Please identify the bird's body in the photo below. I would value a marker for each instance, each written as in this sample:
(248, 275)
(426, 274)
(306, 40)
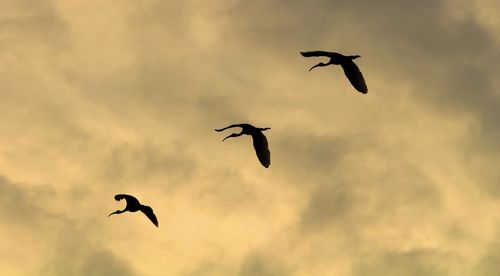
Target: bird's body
(133, 205)
(351, 70)
(259, 141)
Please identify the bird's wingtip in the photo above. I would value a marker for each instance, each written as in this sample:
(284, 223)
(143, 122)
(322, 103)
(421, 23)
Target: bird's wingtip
(363, 90)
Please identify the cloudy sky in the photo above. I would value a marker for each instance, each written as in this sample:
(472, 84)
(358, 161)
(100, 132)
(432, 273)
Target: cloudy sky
(106, 97)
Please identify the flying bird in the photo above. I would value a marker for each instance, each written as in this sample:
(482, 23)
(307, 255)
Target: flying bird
(350, 69)
(133, 205)
(259, 141)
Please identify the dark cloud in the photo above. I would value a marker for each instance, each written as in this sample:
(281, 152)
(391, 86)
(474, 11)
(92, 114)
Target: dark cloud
(333, 204)
(256, 264)
(71, 251)
(86, 261)
(149, 20)
(488, 264)
(149, 163)
(411, 263)
(31, 22)
(453, 63)
(74, 247)
(21, 205)
(229, 191)
(105, 263)
(311, 156)
(205, 268)
(450, 63)
(220, 109)
(463, 80)
(349, 202)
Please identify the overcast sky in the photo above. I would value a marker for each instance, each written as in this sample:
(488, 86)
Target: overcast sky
(106, 97)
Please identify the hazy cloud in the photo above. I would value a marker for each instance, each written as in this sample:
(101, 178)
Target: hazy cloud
(20, 205)
(488, 264)
(256, 264)
(106, 97)
(414, 263)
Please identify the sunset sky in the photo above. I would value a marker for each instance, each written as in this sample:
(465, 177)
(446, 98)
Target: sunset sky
(106, 97)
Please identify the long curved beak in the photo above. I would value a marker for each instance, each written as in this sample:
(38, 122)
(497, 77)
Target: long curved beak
(115, 212)
(229, 136)
(317, 65)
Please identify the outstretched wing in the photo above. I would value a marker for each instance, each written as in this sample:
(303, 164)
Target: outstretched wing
(318, 54)
(149, 213)
(130, 199)
(231, 126)
(354, 75)
(262, 148)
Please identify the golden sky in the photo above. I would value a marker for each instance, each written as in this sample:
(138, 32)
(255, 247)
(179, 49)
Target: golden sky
(107, 97)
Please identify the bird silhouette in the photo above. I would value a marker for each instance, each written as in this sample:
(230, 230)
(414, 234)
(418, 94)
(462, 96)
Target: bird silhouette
(133, 205)
(259, 141)
(350, 69)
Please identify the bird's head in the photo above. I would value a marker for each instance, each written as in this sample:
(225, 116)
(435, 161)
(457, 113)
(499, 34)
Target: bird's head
(318, 65)
(355, 56)
(264, 129)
